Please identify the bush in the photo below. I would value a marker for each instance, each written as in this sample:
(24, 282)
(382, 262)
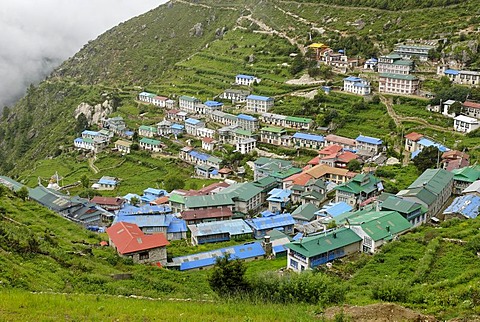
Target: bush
(390, 291)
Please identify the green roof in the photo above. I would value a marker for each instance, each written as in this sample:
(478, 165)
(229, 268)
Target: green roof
(208, 201)
(273, 129)
(320, 244)
(265, 182)
(420, 193)
(403, 62)
(10, 183)
(467, 174)
(214, 159)
(88, 140)
(176, 198)
(241, 191)
(148, 128)
(393, 56)
(277, 234)
(273, 164)
(355, 185)
(298, 119)
(189, 98)
(283, 174)
(380, 225)
(401, 205)
(243, 132)
(434, 180)
(398, 76)
(150, 141)
(305, 212)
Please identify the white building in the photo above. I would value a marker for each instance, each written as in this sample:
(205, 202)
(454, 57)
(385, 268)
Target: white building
(208, 143)
(259, 104)
(246, 80)
(465, 124)
(188, 104)
(394, 64)
(191, 126)
(244, 146)
(356, 85)
(398, 84)
(203, 132)
(235, 95)
(462, 77)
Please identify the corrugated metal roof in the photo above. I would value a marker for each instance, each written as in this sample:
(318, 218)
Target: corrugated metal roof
(266, 223)
(308, 136)
(128, 238)
(467, 206)
(259, 98)
(369, 140)
(232, 227)
(380, 225)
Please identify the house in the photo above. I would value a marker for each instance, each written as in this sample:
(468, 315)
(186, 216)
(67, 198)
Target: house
(305, 213)
(188, 104)
(394, 64)
(333, 156)
(160, 101)
(192, 125)
(332, 210)
(208, 144)
(130, 241)
(108, 203)
(321, 171)
(259, 104)
(286, 140)
(211, 106)
(223, 118)
(146, 97)
(106, 183)
(151, 145)
(308, 141)
(345, 143)
(425, 143)
(272, 135)
(466, 206)
(411, 141)
(371, 64)
(464, 177)
(123, 146)
(177, 129)
(276, 168)
(454, 159)
(176, 116)
(207, 201)
(314, 192)
(147, 131)
(465, 124)
(412, 211)
(205, 171)
(204, 132)
(356, 85)
(226, 134)
(247, 122)
(431, 189)
(309, 252)
(278, 199)
(473, 189)
(360, 188)
(410, 51)
(219, 231)
(164, 128)
(245, 146)
(151, 194)
(235, 95)
(241, 134)
(200, 261)
(471, 109)
(157, 224)
(402, 84)
(197, 216)
(377, 228)
(247, 197)
(91, 140)
(367, 145)
(260, 225)
(295, 122)
(246, 80)
(461, 77)
(317, 50)
(273, 119)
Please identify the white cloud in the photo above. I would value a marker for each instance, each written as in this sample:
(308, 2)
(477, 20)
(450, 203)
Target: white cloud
(36, 36)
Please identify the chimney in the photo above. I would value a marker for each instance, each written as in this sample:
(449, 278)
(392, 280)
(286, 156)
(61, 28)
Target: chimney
(334, 235)
(267, 246)
(387, 228)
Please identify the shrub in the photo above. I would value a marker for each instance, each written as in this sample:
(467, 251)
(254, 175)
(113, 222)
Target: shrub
(390, 291)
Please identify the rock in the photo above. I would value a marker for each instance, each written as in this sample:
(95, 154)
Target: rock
(197, 30)
(94, 113)
(251, 59)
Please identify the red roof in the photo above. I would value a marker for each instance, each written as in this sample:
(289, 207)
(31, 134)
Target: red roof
(128, 238)
(206, 213)
(346, 156)
(300, 179)
(173, 111)
(455, 154)
(160, 201)
(161, 98)
(339, 139)
(315, 160)
(414, 136)
(208, 140)
(110, 201)
(210, 188)
(225, 171)
(471, 104)
(332, 149)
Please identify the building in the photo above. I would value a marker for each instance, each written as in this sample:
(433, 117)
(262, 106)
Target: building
(259, 104)
(473, 189)
(188, 104)
(106, 183)
(286, 121)
(235, 95)
(247, 197)
(377, 228)
(394, 64)
(129, 241)
(150, 145)
(123, 146)
(308, 141)
(219, 231)
(410, 51)
(331, 210)
(411, 141)
(412, 211)
(371, 64)
(269, 167)
(208, 144)
(461, 77)
(223, 118)
(359, 189)
(309, 252)
(247, 122)
(261, 225)
(466, 206)
(402, 84)
(147, 131)
(305, 213)
(108, 203)
(211, 106)
(197, 216)
(454, 159)
(345, 143)
(465, 124)
(204, 132)
(464, 177)
(246, 80)
(431, 189)
(278, 199)
(367, 145)
(176, 116)
(245, 146)
(471, 109)
(356, 85)
(272, 135)
(192, 125)
(164, 128)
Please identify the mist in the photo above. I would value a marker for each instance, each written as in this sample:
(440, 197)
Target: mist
(37, 36)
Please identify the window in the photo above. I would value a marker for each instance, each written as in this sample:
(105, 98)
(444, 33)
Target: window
(144, 255)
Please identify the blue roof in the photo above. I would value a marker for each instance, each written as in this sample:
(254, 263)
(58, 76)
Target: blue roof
(129, 196)
(335, 209)
(177, 225)
(192, 121)
(279, 195)
(246, 117)
(308, 136)
(263, 223)
(451, 72)
(130, 210)
(259, 98)
(156, 192)
(467, 206)
(245, 76)
(353, 79)
(107, 181)
(369, 139)
(129, 133)
(199, 155)
(414, 154)
(248, 250)
(213, 104)
(267, 213)
(426, 142)
(361, 85)
(279, 249)
(87, 132)
(298, 236)
(157, 220)
(372, 60)
(177, 126)
(233, 227)
(78, 140)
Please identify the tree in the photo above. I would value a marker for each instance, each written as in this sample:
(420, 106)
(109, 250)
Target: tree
(298, 64)
(354, 165)
(22, 193)
(228, 277)
(427, 158)
(85, 181)
(81, 123)
(173, 183)
(455, 108)
(134, 201)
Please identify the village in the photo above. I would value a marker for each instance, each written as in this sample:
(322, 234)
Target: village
(310, 212)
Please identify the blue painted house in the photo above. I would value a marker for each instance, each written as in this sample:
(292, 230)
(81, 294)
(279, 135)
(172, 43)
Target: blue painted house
(261, 225)
(219, 231)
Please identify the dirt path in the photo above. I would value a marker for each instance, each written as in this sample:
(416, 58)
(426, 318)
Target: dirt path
(92, 166)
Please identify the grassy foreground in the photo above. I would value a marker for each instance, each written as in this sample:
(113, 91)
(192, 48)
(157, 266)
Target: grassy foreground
(24, 306)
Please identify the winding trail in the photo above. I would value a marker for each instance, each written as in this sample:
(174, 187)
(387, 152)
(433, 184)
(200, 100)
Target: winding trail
(92, 166)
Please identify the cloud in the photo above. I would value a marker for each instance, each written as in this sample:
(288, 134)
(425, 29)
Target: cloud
(36, 36)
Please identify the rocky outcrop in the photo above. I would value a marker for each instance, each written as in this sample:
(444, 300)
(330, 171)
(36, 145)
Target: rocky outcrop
(94, 113)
